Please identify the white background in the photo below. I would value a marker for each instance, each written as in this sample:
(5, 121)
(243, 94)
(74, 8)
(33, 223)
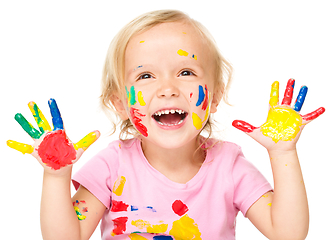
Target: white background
(58, 49)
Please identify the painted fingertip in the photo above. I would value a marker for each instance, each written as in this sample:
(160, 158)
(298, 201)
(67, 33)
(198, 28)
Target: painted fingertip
(274, 97)
(21, 147)
(313, 115)
(288, 94)
(56, 116)
(27, 127)
(300, 98)
(243, 126)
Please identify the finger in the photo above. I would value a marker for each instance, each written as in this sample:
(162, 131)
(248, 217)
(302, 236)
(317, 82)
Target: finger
(85, 142)
(34, 133)
(39, 117)
(243, 126)
(288, 94)
(23, 148)
(274, 98)
(56, 117)
(300, 98)
(314, 114)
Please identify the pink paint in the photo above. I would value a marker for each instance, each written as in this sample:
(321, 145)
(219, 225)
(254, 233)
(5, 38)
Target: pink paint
(56, 151)
(118, 206)
(243, 126)
(119, 225)
(136, 118)
(314, 114)
(179, 207)
(205, 102)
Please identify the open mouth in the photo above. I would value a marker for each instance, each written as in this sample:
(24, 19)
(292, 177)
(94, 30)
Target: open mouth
(171, 117)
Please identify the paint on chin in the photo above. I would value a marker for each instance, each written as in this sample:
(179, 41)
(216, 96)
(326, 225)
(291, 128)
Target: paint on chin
(136, 119)
(56, 151)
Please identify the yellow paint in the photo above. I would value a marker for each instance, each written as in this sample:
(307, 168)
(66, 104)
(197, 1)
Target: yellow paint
(140, 99)
(195, 57)
(23, 148)
(135, 236)
(283, 123)
(269, 204)
(85, 142)
(78, 213)
(266, 195)
(41, 121)
(118, 186)
(149, 228)
(142, 41)
(197, 122)
(182, 53)
(274, 98)
(185, 228)
(158, 228)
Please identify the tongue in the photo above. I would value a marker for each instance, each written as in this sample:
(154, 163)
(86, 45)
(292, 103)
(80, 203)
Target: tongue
(170, 118)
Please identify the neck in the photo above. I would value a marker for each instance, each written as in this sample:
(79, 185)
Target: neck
(178, 164)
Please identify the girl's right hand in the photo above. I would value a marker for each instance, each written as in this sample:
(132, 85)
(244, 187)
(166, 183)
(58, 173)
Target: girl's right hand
(52, 148)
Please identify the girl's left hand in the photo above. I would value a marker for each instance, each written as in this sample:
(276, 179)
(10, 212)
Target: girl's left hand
(284, 124)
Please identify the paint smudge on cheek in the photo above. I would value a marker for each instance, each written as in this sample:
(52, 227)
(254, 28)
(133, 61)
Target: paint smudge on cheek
(140, 99)
(118, 186)
(283, 123)
(56, 151)
(119, 225)
(185, 228)
(197, 122)
(201, 96)
(136, 119)
(130, 96)
(179, 207)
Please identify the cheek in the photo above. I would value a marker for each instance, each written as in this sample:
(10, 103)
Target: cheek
(202, 99)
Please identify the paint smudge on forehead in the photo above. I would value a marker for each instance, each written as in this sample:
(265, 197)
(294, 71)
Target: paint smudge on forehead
(182, 53)
(142, 41)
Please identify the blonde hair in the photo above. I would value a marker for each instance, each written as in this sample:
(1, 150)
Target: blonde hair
(114, 68)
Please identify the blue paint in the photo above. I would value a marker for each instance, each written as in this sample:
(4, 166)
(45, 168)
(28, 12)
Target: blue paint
(134, 208)
(300, 98)
(151, 208)
(201, 96)
(162, 237)
(56, 117)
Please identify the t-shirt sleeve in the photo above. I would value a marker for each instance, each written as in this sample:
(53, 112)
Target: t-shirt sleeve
(249, 183)
(96, 175)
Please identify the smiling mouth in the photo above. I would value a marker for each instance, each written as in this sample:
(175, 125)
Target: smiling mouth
(171, 117)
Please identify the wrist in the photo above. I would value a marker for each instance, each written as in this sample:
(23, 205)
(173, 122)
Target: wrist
(279, 153)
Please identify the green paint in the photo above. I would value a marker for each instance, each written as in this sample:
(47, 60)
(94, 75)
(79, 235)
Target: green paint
(130, 96)
(38, 118)
(27, 126)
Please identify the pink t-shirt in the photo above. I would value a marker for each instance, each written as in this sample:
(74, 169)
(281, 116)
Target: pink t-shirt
(142, 203)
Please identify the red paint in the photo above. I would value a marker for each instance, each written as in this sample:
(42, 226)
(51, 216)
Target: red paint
(314, 114)
(205, 102)
(85, 209)
(288, 94)
(179, 207)
(119, 225)
(136, 118)
(83, 201)
(191, 94)
(243, 126)
(56, 151)
(118, 206)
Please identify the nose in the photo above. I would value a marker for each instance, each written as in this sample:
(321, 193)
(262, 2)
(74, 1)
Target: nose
(168, 88)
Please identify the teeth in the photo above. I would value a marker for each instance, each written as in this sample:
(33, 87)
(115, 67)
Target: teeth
(172, 111)
(165, 124)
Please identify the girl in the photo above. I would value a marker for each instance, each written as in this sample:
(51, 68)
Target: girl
(163, 77)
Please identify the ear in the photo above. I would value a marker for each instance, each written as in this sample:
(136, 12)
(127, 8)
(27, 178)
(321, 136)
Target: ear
(217, 96)
(119, 106)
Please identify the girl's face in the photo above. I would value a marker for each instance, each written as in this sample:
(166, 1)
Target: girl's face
(169, 78)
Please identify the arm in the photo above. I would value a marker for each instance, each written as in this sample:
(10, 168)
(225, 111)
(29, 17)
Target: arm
(56, 153)
(283, 214)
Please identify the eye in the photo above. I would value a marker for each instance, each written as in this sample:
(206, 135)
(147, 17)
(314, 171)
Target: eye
(186, 73)
(145, 76)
